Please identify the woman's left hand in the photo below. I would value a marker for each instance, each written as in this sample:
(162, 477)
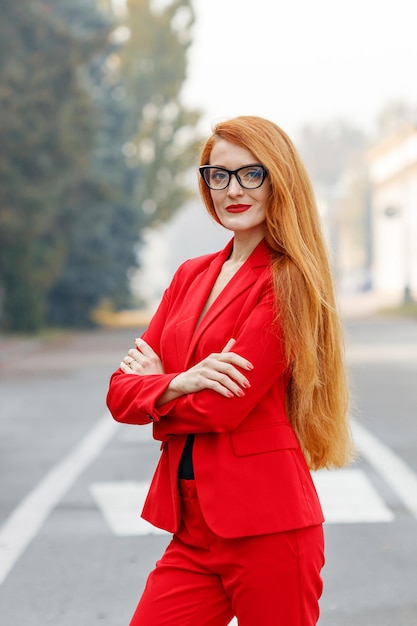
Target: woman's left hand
(142, 360)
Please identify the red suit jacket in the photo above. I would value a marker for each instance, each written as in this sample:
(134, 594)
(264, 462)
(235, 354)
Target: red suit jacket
(250, 473)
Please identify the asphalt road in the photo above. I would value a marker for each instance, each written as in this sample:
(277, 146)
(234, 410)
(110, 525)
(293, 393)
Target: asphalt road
(73, 551)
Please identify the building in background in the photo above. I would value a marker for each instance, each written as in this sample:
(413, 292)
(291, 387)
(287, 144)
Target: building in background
(393, 177)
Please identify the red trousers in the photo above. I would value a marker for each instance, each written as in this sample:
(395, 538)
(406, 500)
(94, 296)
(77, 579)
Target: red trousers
(204, 580)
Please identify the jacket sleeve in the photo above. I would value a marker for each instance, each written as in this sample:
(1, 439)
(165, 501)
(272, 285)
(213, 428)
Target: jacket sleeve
(131, 398)
(260, 341)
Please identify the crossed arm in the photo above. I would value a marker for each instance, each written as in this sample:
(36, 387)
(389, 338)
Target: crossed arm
(218, 372)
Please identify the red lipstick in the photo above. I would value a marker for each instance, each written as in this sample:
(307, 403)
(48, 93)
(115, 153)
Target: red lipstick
(238, 208)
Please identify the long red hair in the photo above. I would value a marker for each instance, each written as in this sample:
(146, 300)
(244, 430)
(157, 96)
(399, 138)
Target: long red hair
(317, 396)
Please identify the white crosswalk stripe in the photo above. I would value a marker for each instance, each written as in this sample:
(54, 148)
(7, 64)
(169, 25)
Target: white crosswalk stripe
(120, 504)
(347, 496)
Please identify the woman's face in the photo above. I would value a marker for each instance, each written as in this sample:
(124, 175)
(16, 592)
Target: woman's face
(238, 209)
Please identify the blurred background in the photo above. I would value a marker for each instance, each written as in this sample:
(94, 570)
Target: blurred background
(103, 107)
(104, 104)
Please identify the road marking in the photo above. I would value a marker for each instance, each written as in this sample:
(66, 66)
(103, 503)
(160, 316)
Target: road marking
(120, 504)
(393, 469)
(28, 517)
(26, 520)
(396, 473)
(347, 496)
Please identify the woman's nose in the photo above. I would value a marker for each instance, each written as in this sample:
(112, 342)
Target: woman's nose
(234, 188)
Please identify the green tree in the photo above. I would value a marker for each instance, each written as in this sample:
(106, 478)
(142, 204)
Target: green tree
(95, 144)
(100, 226)
(145, 145)
(163, 143)
(46, 130)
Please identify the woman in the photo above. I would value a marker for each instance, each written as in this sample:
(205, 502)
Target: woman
(241, 373)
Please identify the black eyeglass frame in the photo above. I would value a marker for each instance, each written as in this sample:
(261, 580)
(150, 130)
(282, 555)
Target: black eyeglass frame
(204, 168)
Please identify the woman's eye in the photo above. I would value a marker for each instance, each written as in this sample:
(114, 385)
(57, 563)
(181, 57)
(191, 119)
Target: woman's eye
(218, 176)
(253, 174)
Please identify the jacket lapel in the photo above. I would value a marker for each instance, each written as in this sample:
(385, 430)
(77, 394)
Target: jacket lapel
(240, 282)
(197, 294)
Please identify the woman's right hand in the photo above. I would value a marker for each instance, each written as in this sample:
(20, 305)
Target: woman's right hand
(218, 372)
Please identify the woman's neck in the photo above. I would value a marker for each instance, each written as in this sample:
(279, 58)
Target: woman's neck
(243, 246)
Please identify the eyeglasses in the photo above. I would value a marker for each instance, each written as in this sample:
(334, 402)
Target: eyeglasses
(248, 177)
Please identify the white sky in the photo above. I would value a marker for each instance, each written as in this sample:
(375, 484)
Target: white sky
(302, 61)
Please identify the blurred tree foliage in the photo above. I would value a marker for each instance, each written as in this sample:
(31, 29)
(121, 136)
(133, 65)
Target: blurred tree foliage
(47, 132)
(94, 146)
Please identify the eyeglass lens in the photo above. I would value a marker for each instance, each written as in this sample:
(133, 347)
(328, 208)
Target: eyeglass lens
(249, 177)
